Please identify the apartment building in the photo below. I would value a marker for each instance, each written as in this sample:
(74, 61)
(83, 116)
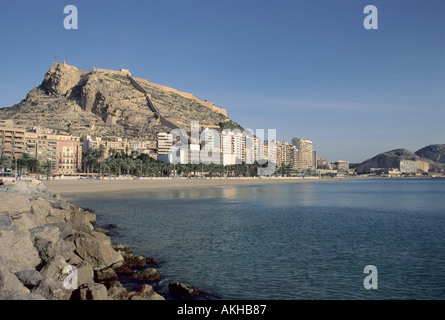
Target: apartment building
(42, 145)
(233, 146)
(164, 144)
(69, 151)
(408, 166)
(110, 145)
(305, 154)
(286, 154)
(12, 139)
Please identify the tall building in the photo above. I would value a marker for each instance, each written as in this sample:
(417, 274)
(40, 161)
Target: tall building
(42, 144)
(69, 151)
(232, 147)
(254, 149)
(164, 145)
(210, 146)
(286, 154)
(12, 139)
(270, 150)
(305, 155)
(408, 166)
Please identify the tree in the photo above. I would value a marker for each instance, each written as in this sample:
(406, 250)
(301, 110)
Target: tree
(4, 160)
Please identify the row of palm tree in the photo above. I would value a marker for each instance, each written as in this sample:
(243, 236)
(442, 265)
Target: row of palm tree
(25, 164)
(119, 163)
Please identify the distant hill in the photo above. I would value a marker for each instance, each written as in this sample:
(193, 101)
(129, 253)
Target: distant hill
(103, 102)
(434, 152)
(390, 159)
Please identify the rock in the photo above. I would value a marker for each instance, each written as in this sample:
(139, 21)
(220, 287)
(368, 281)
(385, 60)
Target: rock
(9, 281)
(17, 252)
(85, 273)
(65, 229)
(149, 260)
(97, 253)
(62, 205)
(122, 269)
(52, 290)
(14, 295)
(6, 222)
(57, 215)
(14, 205)
(91, 291)
(40, 209)
(105, 275)
(45, 240)
(102, 230)
(123, 247)
(183, 290)
(133, 261)
(23, 188)
(101, 237)
(90, 216)
(146, 292)
(55, 268)
(118, 293)
(79, 221)
(29, 278)
(150, 274)
(23, 224)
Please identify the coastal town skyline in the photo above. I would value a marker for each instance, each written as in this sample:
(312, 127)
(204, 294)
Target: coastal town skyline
(305, 69)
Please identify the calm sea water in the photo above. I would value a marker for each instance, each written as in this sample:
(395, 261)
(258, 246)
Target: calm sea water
(291, 241)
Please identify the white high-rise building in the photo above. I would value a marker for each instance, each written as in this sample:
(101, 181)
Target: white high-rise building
(232, 147)
(210, 146)
(163, 145)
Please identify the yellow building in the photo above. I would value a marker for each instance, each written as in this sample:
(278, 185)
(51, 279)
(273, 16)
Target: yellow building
(42, 145)
(422, 166)
(111, 145)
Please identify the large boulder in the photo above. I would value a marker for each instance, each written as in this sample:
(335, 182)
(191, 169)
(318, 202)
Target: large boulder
(99, 254)
(9, 281)
(91, 291)
(17, 251)
(134, 261)
(52, 290)
(40, 209)
(14, 205)
(29, 278)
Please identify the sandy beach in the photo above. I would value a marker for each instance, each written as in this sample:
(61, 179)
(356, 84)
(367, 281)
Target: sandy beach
(91, 186)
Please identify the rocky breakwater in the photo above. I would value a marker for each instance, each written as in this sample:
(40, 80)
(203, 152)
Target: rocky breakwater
(50, 250)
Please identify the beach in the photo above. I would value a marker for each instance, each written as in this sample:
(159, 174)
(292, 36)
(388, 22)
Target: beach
(90, 186)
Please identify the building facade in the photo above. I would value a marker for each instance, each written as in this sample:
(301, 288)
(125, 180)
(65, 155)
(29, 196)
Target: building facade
(69, 151)
(305, 154)
(12, 140)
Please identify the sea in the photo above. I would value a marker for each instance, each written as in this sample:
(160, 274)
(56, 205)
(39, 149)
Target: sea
(355, 239)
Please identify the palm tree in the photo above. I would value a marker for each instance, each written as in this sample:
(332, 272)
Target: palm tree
(3, 161)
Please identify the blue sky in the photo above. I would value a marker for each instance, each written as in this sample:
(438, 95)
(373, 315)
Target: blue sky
(305, 68)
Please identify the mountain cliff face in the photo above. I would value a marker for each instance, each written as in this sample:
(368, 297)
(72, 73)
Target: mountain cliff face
(110, 103)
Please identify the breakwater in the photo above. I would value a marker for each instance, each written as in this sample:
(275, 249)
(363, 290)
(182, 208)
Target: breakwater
(51, 249)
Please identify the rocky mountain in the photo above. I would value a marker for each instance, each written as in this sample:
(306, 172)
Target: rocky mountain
(111, 103)
(434, 152)
(391, 159)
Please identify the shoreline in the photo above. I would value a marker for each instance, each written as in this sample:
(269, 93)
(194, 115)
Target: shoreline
(152, 184)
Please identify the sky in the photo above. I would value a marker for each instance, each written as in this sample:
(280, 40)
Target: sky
(304, 68)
